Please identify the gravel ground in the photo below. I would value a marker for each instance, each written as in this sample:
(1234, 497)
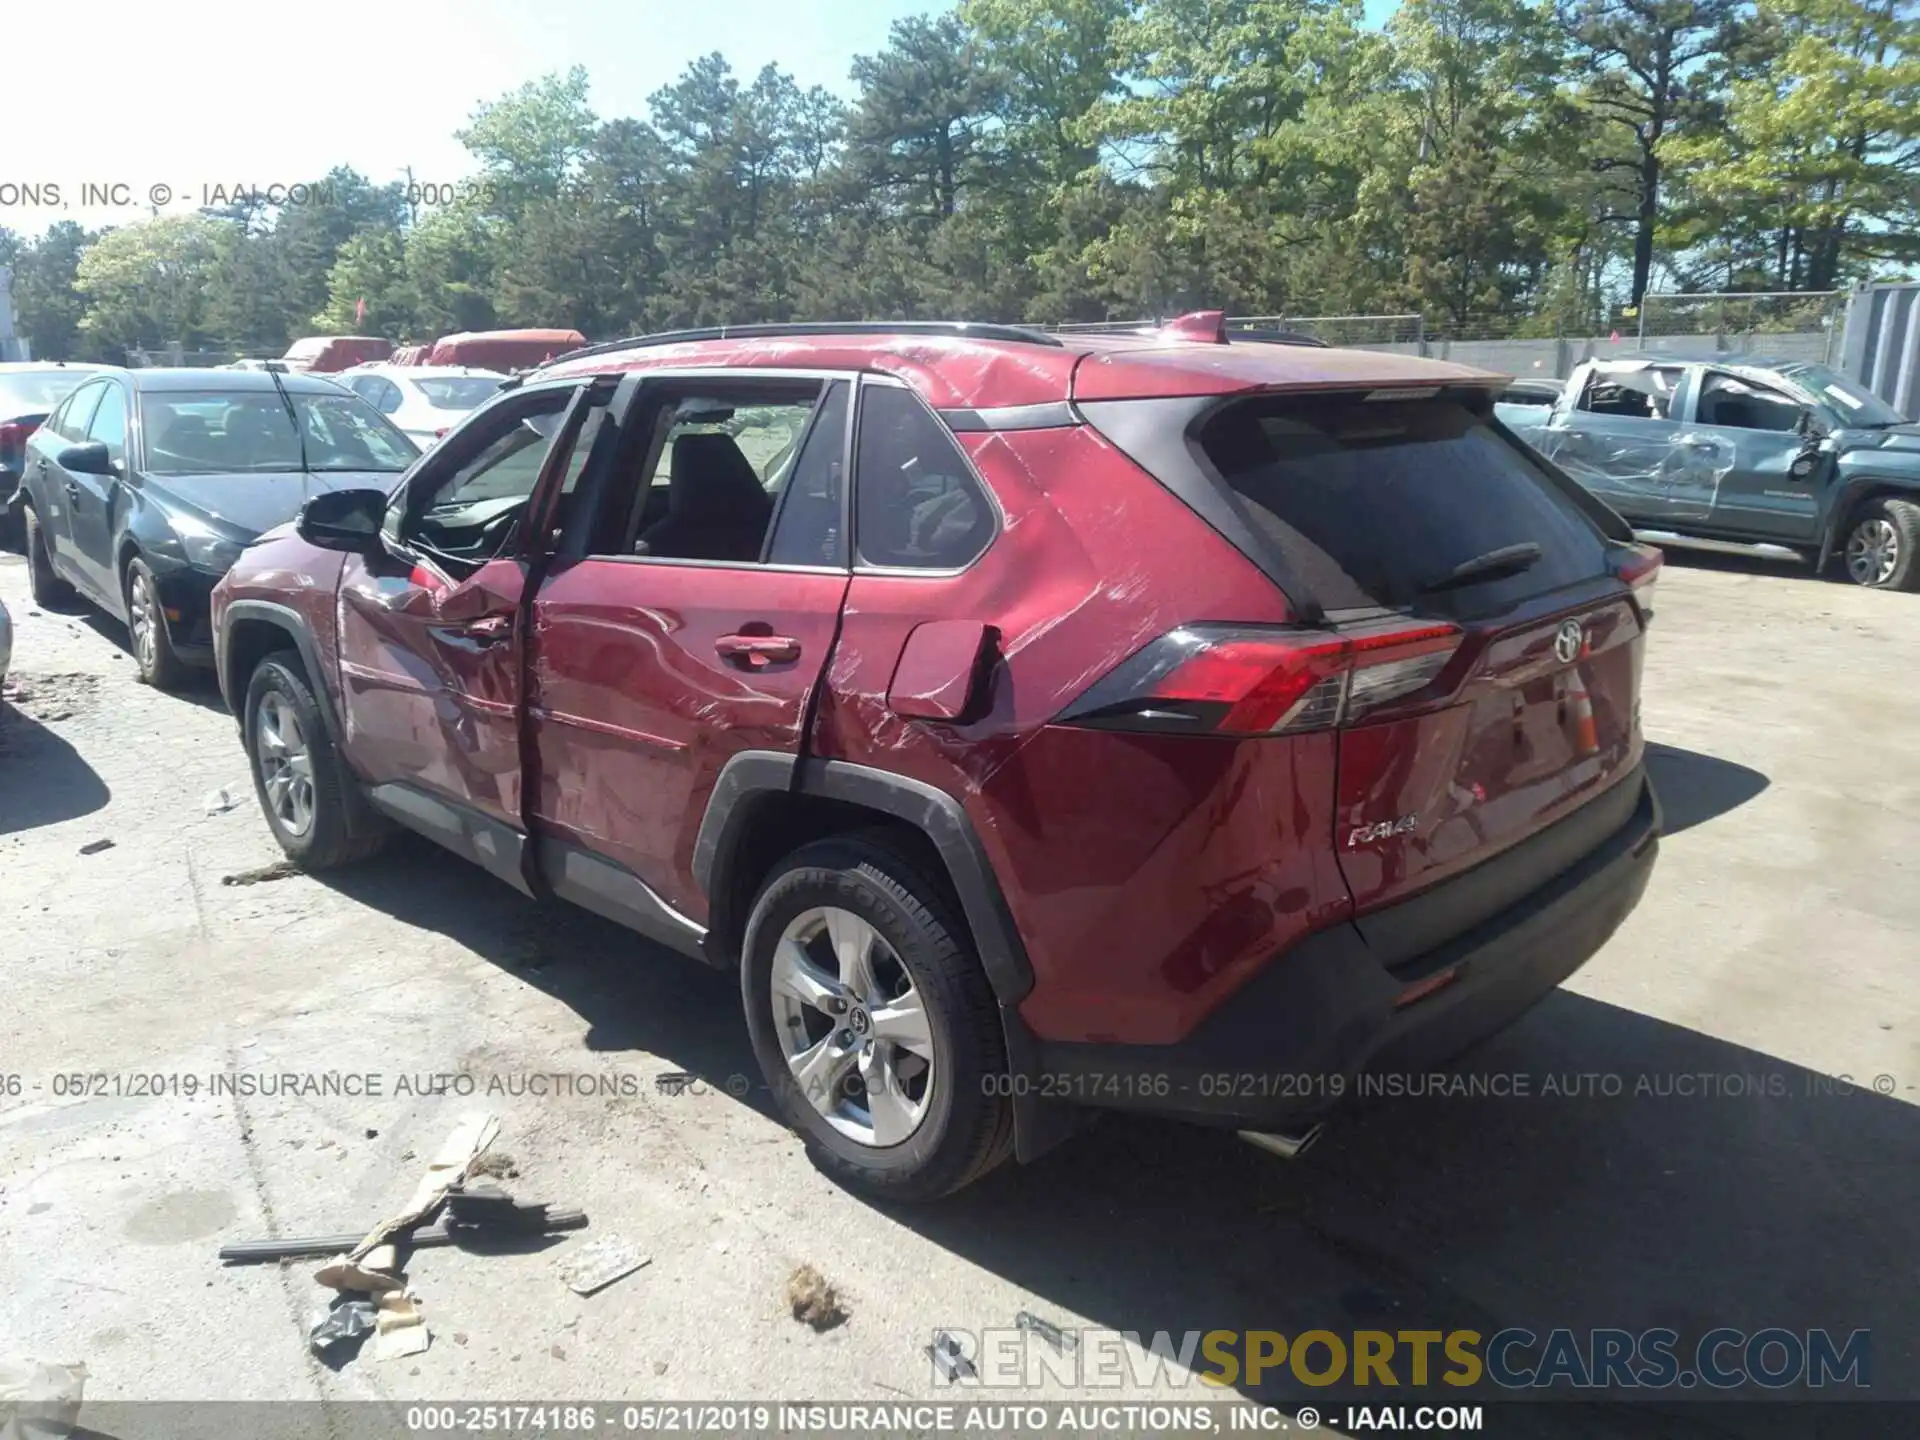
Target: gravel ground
(1777, 943)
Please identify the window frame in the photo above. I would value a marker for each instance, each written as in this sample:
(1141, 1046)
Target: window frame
(1605, 370)
(657, 381)
(869, 382)
(58, 419)
(445, 461)
(126, 422)
(1709, 373)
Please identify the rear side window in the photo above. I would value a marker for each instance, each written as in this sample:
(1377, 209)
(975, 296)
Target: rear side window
(916, 503)
(74, 417)
(1374, 503)
(109, 425)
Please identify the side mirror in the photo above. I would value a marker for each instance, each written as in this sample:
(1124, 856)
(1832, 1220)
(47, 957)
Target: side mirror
(90, 458)
(1804, 464)
(1810, 424)
(346, 520)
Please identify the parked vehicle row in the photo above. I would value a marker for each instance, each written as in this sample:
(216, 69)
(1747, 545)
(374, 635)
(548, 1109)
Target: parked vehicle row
(1031, 723)
(799, 649)
(425, 401)
(1779, 452)
(143, 486)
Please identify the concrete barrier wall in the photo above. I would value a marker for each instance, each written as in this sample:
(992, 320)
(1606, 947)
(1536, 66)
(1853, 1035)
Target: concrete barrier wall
(1556, 359)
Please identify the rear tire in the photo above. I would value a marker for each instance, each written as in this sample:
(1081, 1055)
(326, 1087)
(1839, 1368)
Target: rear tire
(310, 799)
(1882, 546)
(50, 592)
(155, 661)
(900, 1100)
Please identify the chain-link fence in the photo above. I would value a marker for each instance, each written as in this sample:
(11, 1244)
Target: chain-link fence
(1804, 325)
(1781, 324)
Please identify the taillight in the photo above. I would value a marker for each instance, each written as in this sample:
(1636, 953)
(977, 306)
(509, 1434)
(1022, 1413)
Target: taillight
(1240, 680)
(13, 434)
(1639, 566)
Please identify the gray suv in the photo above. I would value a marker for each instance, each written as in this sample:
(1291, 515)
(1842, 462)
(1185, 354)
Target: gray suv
(1785, 453)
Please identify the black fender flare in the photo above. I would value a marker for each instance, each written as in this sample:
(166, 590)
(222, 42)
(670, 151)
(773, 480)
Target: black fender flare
(1846, 497)
(283, 617)
(930, 810)
(1038, 1124)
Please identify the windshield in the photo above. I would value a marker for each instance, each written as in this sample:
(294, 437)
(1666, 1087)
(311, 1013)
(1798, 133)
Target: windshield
(36, 392)
(1852, 401)
(201, 432)
(457, 392)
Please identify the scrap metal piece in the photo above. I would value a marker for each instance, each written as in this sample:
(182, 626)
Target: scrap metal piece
(521, 1219)
(594, 1267)
(1058, 1338)
(948, 1359)
(449, 1169)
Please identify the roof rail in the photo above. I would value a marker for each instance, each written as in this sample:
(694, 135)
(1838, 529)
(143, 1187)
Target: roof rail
(962, 329)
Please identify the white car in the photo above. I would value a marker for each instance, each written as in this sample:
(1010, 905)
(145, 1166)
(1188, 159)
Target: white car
(425, 401)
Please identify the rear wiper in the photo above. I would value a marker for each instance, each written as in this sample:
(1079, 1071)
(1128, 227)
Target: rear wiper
(1494, 565)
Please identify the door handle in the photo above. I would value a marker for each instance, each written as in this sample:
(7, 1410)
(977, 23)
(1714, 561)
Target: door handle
(487, 630)
(757, 650)
(73, 491)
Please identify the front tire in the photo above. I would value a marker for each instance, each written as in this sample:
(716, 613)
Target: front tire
(873, 1022)
(1882, 548)
(50, 592)
(154, 657)
(311, 800)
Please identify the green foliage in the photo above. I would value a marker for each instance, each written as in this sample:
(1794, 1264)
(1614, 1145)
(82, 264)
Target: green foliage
(1514, 166)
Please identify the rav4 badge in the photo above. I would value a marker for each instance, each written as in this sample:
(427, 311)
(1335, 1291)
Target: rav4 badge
(1385, 830)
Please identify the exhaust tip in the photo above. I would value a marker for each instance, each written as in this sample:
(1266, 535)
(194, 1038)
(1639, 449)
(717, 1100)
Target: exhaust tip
(1287, 1145)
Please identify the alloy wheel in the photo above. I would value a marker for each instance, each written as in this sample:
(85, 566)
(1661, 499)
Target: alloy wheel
(143, 619)
(1873, 552)
(853, 1028)
(286, 765)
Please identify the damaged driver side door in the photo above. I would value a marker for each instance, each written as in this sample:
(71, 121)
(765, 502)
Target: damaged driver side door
(432, 628)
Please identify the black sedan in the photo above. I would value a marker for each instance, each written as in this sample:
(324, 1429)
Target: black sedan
(144, 485)
(28, 393)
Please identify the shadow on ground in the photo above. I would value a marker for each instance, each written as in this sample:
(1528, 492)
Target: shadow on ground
(43, 780)
(1630, 1174)
(200, 686)
(1695, 788)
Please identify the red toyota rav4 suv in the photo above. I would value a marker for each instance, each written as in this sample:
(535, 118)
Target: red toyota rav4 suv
(1164, 722)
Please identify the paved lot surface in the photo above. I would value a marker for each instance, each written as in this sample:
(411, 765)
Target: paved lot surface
(1778, 944)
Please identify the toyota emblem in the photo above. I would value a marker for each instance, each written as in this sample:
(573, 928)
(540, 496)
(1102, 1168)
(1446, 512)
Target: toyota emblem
(1569, 642)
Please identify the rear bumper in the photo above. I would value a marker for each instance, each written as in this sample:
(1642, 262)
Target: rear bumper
(1288, 1047)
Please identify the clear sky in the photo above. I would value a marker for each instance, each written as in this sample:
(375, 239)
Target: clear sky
(172, 97)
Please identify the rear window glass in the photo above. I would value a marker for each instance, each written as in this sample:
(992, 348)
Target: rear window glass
(30, 392)
(457, 392)
(1372, 502)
